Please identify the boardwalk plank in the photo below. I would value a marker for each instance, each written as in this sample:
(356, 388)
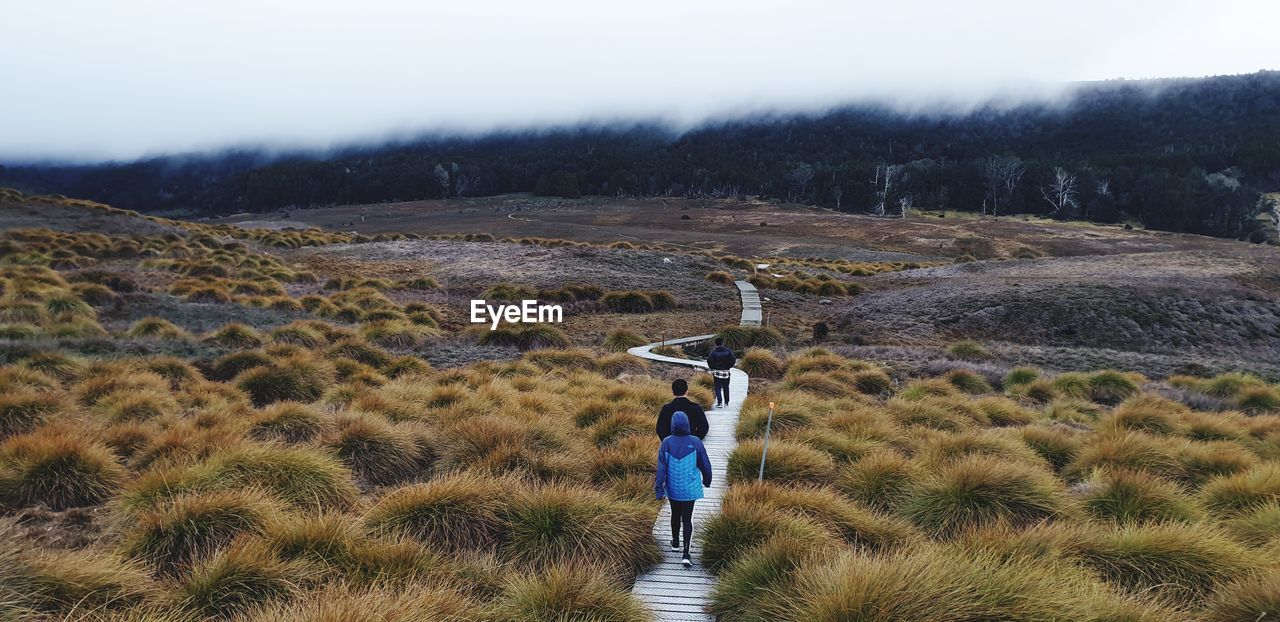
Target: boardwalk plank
(671, 591)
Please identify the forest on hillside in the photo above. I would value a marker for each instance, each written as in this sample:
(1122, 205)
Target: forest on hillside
(1188, 155)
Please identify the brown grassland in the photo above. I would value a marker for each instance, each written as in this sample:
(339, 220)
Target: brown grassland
(203, 421)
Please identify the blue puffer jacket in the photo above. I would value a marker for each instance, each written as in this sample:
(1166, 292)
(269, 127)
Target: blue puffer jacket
(683, 466)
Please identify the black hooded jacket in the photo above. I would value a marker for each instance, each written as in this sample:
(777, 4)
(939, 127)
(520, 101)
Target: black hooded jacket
(698, 425)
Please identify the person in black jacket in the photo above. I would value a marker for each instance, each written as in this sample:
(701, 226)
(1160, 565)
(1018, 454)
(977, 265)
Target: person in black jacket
(719, 362)
(697, 418)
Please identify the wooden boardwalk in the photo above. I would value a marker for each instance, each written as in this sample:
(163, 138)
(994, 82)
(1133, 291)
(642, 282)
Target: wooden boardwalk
(671, 591)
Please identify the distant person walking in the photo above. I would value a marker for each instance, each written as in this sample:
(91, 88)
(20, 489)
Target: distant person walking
(683, 471)
(719, 362)
(697, 417)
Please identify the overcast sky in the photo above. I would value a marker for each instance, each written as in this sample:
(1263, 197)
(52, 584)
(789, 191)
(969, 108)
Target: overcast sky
(127, 78)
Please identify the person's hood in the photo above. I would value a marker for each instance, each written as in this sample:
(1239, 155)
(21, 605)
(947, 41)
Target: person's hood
(720, 349)
(679, 423)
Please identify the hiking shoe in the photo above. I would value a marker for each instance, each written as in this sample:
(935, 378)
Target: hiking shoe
(675, 545)
(716, 406)
(686, 561)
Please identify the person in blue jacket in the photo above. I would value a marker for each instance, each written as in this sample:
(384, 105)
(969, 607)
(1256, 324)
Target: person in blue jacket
(683, 471)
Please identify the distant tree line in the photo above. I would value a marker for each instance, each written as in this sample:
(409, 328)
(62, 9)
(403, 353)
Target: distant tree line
(1187, 155)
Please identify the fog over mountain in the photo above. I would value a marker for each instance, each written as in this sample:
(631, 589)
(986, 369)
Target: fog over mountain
(94, 81)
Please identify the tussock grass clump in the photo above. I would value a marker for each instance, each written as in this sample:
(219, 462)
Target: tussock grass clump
(229, 366)
(936, 413)
(288, 422)
(614, 365)
(1241, 492)
(455, 513)
(303, 478)
(157, 328)
(559, 524)
(740, 528)
(1254, 598)
(1134, 451)
(750, 587)
(24, 409)
(882, 480)
(968, 381)
(340, 603)
(979, 491)
(569, 593)
(788, 462)
(297, 379)
(235, 336)
(621, 339)
(377, 452)
(929, 584)
(195, 526)
(761, 363)
(1183, 563)
(237, 580)
(136, 405)
(57, 467)
(1021, 376)
(1058, 445)
(561, 359)
(67, 581)
(967, 350)
(116, 377)
(721, 277)
(525, 337)
(825, 507)
(1128, 497)
(741, 338)
(1003, 412)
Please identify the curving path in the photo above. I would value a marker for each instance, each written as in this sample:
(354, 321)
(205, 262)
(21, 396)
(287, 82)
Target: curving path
(671, 591)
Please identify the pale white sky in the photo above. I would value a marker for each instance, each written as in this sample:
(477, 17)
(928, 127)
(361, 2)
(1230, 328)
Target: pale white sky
(87, 79)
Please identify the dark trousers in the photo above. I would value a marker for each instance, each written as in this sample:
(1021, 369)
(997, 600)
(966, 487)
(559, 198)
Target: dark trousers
(682, 514)
(722, 389)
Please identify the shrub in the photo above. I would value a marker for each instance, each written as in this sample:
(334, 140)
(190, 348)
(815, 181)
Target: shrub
(1128, 497)
(980, 490)
(761, 363)
(621, 339)
(787, 462)
(569, 593)
(195, 526)
(557, 524)
(968, 351)
(238, 579)
(57, 467)
(455, 513)
(296, 379)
